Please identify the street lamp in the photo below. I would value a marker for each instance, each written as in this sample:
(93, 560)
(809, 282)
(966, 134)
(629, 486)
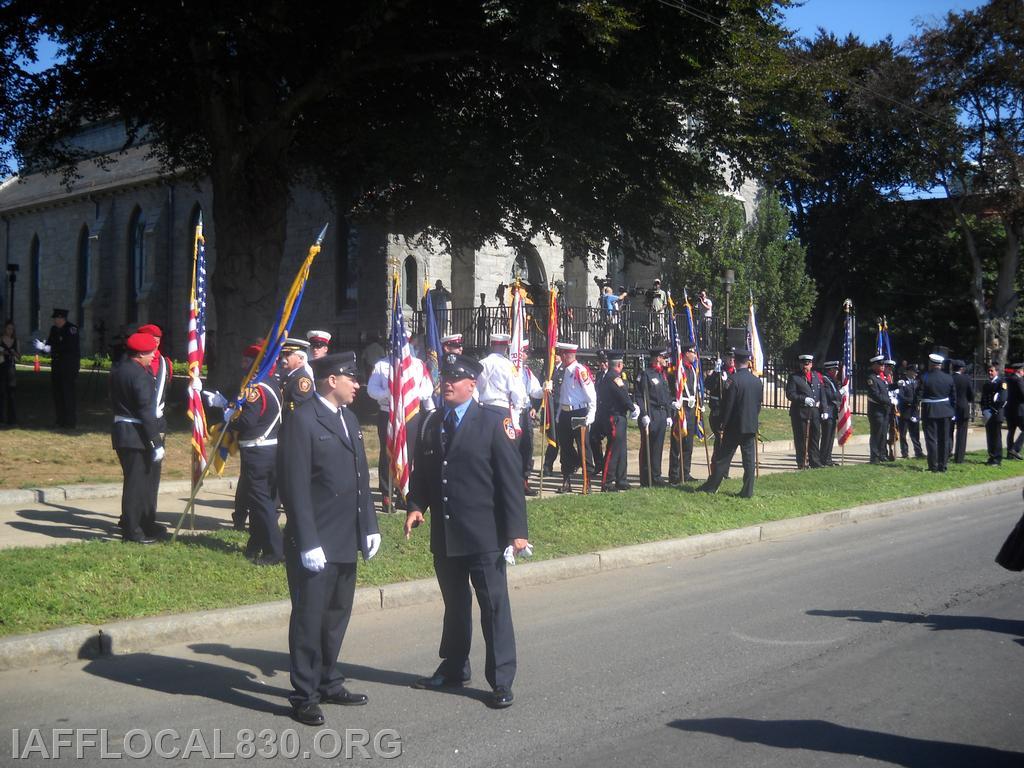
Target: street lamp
(12, 276)
(728, 281)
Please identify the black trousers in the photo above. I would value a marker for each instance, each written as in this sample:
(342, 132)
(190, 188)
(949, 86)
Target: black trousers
(615, 458)
(7, 413)
(486, 573)
(1014, 444)
(62, 382)
(596, 437)
(570, 447)
(321, 608)
(526, 443)
(259, 470)
(656, 438)
(138, 499)
(806, 438)
(994, 439)
(912, 428)
(673, 451)
(878, 421)
(241, 511)
(936, 441)
(828, 439)
(747, 443)
(960, 436)
(412, 433)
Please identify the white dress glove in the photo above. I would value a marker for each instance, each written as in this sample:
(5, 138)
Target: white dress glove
(676, 405)
(809, 402)
(315, 560)
(372, 545)
(590, 418)
(40, 346)
(824, 417)
(635, 414)
(645, 421)
(549, 386)
(158, 454)
(668, 421)
(913, 419)
(215, 399)
(428, 404)
(691, 401)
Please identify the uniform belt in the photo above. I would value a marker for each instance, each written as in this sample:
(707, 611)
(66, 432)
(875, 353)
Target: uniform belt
(934, 400)
(257, 442)
(127, 420)
(568, 408)
(498, 403)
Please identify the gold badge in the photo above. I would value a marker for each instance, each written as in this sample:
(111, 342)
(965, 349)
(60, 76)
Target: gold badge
(304, 384)
(253, 395)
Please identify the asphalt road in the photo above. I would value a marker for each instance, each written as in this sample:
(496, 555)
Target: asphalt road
(890, 642)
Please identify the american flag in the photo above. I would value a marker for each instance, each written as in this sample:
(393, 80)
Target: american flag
(845, 421)
(676, 360)
(404, 403)
(196, 353)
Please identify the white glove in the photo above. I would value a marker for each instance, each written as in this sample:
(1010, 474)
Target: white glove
(196, 384)
(428, 404)
(590, 420)
(215, 399)
(510, 553)
(549, 385)
(676, 405)
(372, 545)
(913, 419)
(809, 402)
(691, 401)
(668, 422)
(158, 454)
(824, 417)
(954, 418)
(645, 421)
(40, 346)
(315, 560)
(893, 398)
(635, 413)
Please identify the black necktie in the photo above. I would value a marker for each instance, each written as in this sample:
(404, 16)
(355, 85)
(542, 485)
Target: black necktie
(448, 432)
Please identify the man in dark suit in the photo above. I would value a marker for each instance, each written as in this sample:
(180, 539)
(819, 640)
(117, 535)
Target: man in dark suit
(1014, 412)
(908, 400)
(65, 359)
(654, 397)
(136, 438)
(878, 411)
(325, 488)
(964, 398)
(741, 407)
(831, 399)
(478, 519)
(993, 399)
(614, 405)
(938, 405)
(803, 390)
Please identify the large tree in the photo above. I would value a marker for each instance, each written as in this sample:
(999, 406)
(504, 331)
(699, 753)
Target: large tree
(463, 118)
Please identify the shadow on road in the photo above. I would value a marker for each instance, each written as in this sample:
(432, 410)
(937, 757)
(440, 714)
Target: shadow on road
(822, 736)
(933, 621)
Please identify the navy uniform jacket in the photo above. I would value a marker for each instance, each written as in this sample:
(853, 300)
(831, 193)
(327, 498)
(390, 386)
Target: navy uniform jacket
(325, 482)
(878, 394)
(1014, 410)
(260, 415)
(797, 388)
(64, 348)
(741, 403)
(964, 394)
(296, 388)
(659, 395)
(831, 398)
(993, 397)
(937, 386)
(908, 397)
(612, 398)
(132, 393)
(475, 491)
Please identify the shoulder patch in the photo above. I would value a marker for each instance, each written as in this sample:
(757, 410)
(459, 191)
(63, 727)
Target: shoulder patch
(618, 382)
(72, 329)
(304, 385)
(583, 374)
(253, 395)
(510, 431)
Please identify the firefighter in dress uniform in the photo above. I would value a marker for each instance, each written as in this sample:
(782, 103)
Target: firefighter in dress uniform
(577, 407)
(615, 406)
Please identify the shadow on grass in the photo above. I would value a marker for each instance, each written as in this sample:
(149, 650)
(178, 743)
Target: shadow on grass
(823, 736)
(936, 622)
(65, 522)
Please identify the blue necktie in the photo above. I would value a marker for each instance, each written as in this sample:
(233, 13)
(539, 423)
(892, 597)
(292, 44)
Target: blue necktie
(448, 432)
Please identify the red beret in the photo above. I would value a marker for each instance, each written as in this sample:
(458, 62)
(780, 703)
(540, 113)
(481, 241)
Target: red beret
(253, 351)
(141, 342)
(152, 330)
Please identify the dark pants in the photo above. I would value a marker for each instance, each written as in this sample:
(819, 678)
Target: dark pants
(673, 451)
(7, 413)
(747, 443)
(570, 447)
(936, 441)
(656, 437)
(526, 443)
(994, 438)
(806, 438)
(259, 470)
(241, 511)
(1014, 444)
(614, 474)
(138, 502)
(321, 607)
(596, 436)
(914, 429)
(960, 426)
(486, 573)
(878, 421)
(62, 382)
(412, 433)
(828, 439)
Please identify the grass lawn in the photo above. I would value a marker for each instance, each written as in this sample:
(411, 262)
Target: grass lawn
(97, 582)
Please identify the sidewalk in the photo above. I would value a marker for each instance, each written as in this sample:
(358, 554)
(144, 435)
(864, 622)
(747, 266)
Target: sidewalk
(64, 514)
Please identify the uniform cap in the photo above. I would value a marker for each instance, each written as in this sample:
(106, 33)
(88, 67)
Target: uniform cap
(453, 338)
(253, 351)
(141, 342)
(318, 337)
(832, 364)
(340, 363)
(935, 357)
(294, 345)
(566, 346)
(151, 329)
(657, 281)
(657, 352)
(500, 338)
(741, 355)
(958, 363)
(59, 313)
(889, 361)
(688, 348)
(877, 359)
(616, 356)
(460, 367)
(912, 367)
(805, 358)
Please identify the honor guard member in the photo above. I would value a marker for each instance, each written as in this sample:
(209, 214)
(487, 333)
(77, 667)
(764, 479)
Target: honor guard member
(741, 409)
(451, 344)
(256, 426)
(162, 368)
(551, 435)
(964, 400)
(655, 400)
(615, 406)
(326, 492)
(993, 399)
(803, 390)
(136, 437)
(908, 400)
(319, 343)
(831, 399)
(938, 405)
(534, 391)
(296, 375)
(62, 345)
(714, 387)
(1014, 411)
(577, 407)
(499, 384)
(598, 431)
(467, 474)
(878, 410)
(687, 406)
(378, 386)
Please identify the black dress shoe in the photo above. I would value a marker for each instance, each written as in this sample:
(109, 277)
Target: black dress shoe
(609, 489)
(501, 698)
(438, 681)
(156, 531)
(528, 490)
(238, 526)
(622, 486)
(659, 483)
(565, 487)
(268, 560)
(345, 698)
(689, 479)
(308, 714)
(140, 540)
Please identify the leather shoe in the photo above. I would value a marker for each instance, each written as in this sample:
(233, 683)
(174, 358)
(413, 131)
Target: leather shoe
(141, 540)
(565, 487)
(501, 698)
(345, 698)
(528, 490)
(308, 714)
(609, 489)
(689, 479)
(268, 560)
(438, 681)
(622, 486)
(156, 531)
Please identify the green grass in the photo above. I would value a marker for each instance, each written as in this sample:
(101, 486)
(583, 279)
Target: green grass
(97, 582)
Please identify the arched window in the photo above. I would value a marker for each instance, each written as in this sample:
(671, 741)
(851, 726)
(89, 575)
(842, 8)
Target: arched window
(136, 263)
(83, 271)
(412, 282)
(34, 283)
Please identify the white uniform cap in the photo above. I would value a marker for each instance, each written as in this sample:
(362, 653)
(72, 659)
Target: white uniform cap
(500, 338)
(878, 359)
(935, 357)
(806, 357)
(453, 338)
(567, 346)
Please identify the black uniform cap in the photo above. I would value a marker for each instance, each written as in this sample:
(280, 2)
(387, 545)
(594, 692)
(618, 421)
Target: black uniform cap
(460, 367)
(59, 313)
(616, 356)
(657, 352)
(340, 363)
(742, 355)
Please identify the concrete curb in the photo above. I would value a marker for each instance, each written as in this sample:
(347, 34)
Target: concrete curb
(60, 493)
(61, 646)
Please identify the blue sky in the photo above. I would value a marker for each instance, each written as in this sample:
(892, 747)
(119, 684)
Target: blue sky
(871, 20)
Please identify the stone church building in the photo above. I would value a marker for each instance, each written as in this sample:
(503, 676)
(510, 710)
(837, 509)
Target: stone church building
(115, 247)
